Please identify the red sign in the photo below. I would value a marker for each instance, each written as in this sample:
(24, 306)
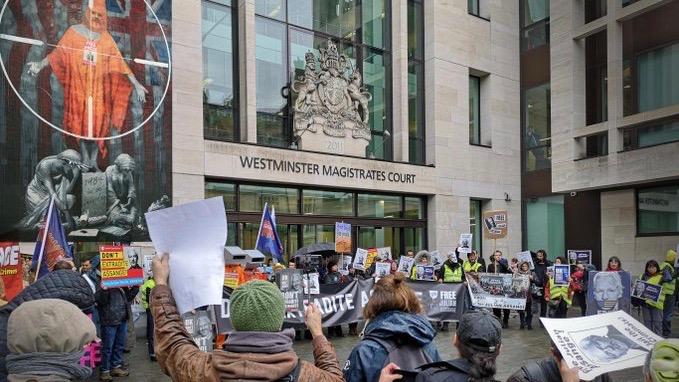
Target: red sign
(11, 270)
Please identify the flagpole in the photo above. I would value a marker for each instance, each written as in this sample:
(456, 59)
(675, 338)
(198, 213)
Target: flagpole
(44, 238)
(266, 204)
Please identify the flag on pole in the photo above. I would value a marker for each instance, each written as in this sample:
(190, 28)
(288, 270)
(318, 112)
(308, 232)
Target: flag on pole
(51, 245)
(267, 239)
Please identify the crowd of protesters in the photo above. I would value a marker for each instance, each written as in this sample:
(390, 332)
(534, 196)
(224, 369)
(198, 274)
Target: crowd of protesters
(48, 339)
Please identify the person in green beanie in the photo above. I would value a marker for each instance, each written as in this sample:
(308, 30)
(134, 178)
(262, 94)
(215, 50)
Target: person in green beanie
(669, 289)
(257, 350)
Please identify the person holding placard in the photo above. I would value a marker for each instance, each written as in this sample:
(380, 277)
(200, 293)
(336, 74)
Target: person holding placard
(498, 264)
(526, 316)
(472, 265)
(652, 310)
(558, 296)
(614, 264)
(669, 289)
(450, 272)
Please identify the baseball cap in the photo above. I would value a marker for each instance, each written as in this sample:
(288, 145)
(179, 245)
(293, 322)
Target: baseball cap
(480, 331)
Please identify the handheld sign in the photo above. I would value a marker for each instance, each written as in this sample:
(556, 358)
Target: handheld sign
(115, 271)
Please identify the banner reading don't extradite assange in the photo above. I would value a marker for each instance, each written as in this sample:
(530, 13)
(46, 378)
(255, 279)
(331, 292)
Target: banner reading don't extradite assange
(343, 303)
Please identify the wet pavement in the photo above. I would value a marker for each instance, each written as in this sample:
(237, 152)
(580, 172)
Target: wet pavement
(519, 347)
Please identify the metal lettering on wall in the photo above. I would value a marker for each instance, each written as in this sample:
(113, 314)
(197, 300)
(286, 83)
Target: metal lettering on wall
(334, 102)
(84, 119)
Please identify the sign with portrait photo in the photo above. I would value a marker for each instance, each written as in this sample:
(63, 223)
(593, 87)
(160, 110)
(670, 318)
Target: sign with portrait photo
(436, 259)
(311, 283)
(562, 274)
(405, 265)
(384, 253)
(361, 259)
(527, 257)
(382, 268)
(342, 237)
(425, 273)
(345, 263)
(579, 256)
(464, 245)
(495, 224)
(608, 292)
(646, 291)
(614, 341)
(290, 283)
(498, 290)
(115, 270)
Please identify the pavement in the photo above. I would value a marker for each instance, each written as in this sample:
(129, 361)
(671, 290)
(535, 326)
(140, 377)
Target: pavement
(518, 347)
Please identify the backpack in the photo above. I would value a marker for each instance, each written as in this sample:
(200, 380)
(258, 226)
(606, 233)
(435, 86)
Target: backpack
(294, 375)
(445, 371)
(407, 356)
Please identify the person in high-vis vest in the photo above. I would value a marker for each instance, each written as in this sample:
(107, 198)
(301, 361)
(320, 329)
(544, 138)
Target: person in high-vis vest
(472, 265)
(559, 297)
(146, 289)
(652, 310)
(669, 289)
(450, 272)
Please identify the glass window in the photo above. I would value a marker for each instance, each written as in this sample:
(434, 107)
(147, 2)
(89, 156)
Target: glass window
(534, 24)
(272, 77)
(414, 208)
(650, 135)
(658, 78)
(474, 110)
(231, 233)
(274, 9)
(376, 237)
(334, 17)
(379, 206)
(545, 225)
(538, 130)
(658, 210)
(318, 233)
(596, 145)
(375, 25)
(377, 81)
(416, 132)
(414, 239)
(475, 223)
(226, 190)
(594, 9)
(252, 198)
(415, 30)
(219, 92)
(316, 202)
(473, 7)
(534, 11)
(596, 81)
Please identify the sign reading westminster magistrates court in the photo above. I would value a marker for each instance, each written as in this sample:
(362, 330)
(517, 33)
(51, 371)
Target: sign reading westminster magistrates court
(298, 167)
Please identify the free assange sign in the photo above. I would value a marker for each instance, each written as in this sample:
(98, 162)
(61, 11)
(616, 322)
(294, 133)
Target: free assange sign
(299, 167)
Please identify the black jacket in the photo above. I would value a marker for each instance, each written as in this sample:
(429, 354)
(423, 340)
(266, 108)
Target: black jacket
(544, 370)
(502, 267)
(62, 284)
(541, 272)
(113, 304)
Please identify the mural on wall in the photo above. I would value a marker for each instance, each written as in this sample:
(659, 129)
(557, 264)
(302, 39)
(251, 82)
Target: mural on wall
(85, 115)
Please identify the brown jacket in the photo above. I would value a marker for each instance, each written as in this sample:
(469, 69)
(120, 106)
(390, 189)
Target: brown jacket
(180, 358)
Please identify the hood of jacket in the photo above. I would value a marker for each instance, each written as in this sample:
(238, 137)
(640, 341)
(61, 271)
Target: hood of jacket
(251, 356)
(406, 327)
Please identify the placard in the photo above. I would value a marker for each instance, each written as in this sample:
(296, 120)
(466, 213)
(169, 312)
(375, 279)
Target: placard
(465, 243)
(361, 259)
(425, 273)
(342, 237)
(311, 283)
(199, 326)
(562, 274)
(436, 259)
(608, 292)
(345, 263)
(384, 253)
(11, 269)
(115, 272)
(371, 257)
(495, 224)
(580, 256)
(382, 268)
(647, 291)
(405, 265)
(498, 290)
(290, 283)
(525, 256)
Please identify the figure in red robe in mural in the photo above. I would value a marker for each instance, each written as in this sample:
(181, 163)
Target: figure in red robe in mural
(96, 79)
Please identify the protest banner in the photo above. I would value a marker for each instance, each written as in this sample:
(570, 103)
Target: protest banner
(495, 224)
(115, 271)
(436, 259)
(199, 327)
(371, 257)
(608, 292)
(290, 283)
(425, 273)
(562, 274)
(361, 259)
(498, 290)
(147, 254)
(345, 263)
(11, 269)
(343, 303)
(614, 341)
(382, 268)
(311, 283)
(342, 237)
(646, 291)
(405, 265)
(465, 243)
(384, 253)
(579, 256)
(525, 256)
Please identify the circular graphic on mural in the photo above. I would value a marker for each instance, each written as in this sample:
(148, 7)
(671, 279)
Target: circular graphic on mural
(87, 59)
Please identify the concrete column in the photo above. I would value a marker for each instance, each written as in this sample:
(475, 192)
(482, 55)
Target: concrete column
(614, 69)
(247, 70)
(399, 46)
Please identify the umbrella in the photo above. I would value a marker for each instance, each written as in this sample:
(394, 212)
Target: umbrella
(323, 249)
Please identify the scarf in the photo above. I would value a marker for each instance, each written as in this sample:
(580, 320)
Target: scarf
(260, 342)
(66, 365)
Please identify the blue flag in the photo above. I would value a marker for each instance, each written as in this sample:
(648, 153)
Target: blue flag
(268, 241)
(51, 245)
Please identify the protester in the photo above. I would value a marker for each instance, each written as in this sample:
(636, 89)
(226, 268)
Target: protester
(64, 264)
(514, 265)
(394, 328)
(669, 289)
(652, 311)
(113, 315)
(478, 341)
(45, 339)
(256, 350)
(334, 277)
(472, 265)
(540, 268)
(498, 264)
(450, 272)
(662, 362)
(614, 264)
(422, 258)
(578, 285)
(85, 266)
(146, 289)
(559, 297)
(292, 264)
(526, 315)
(410, 253)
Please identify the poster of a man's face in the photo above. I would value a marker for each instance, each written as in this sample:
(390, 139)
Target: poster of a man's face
(607, 291)
(609, 347)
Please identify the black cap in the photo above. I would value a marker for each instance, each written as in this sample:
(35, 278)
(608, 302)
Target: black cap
(480, 331)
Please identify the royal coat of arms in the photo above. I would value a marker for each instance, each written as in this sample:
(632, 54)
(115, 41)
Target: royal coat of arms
(332, 100)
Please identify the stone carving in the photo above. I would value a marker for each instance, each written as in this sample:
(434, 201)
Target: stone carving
(332, 99)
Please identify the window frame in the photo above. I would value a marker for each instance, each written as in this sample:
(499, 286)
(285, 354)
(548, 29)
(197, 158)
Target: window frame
(478, 112)
(478, 7)
(636, 209)
(417, 61)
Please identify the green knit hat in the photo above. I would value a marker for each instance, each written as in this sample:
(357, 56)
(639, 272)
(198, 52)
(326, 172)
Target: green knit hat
(257, 306)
